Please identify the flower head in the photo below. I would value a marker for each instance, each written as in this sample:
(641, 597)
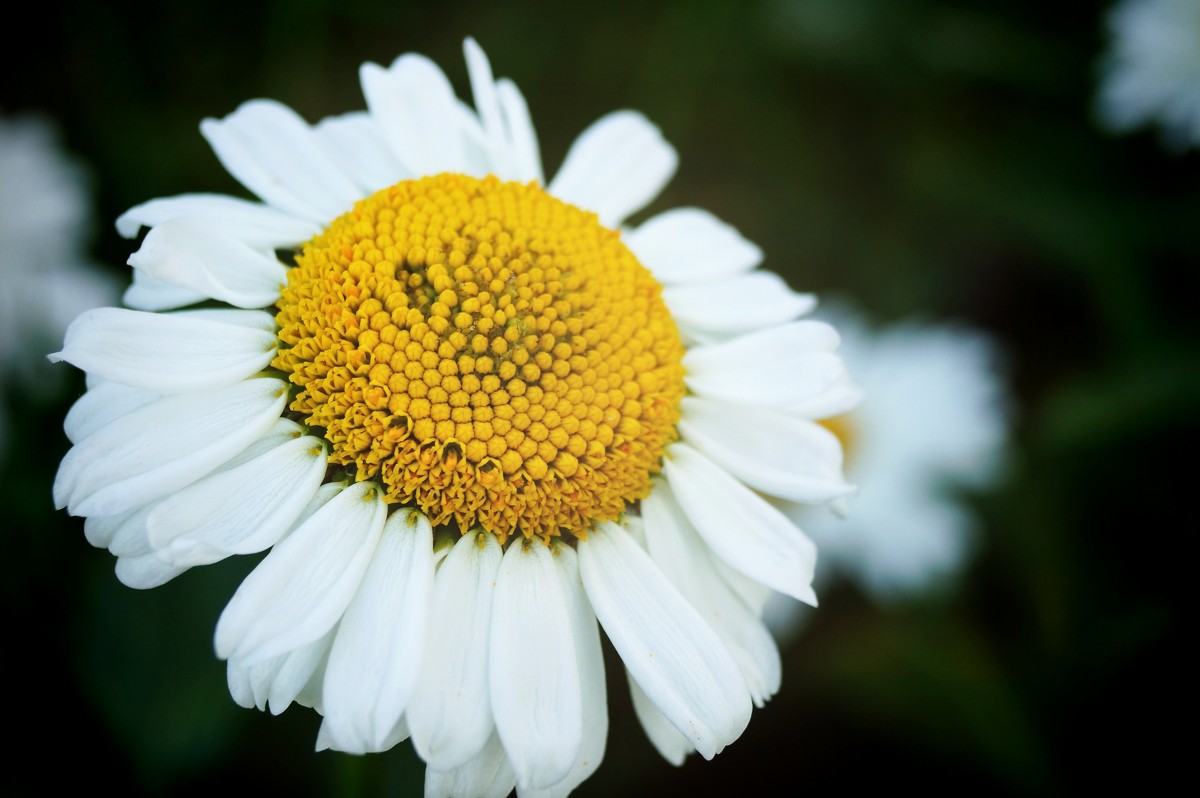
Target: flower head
(1151, 72)
(470, 414)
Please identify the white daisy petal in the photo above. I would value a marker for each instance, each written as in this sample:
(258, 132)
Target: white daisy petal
(163, 446)
(683, 246)
(776, 367)
(304, 584)
(252, 223)
(616, 167)
(737, 304)
(145, 571)
(487, 105)
(665, 738)
(240, 510)
(538, 711)
(488, 774)
(356, 144)
(275, 154)
(201, 259)
(300, 668)
(376, 656)
(451, 712)
(151, 293)
(771, 452)
(840, 396)
(522, 137)
(674, 655)
(683, 557)
(252, 319)
(586, 635)
(103, 404)
(164, 353)
(414, 105)
(739, 526)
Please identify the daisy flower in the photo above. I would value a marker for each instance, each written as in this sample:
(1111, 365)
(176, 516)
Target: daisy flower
(1151, 72)
(474, 418)
(935, 420)
(46, 278)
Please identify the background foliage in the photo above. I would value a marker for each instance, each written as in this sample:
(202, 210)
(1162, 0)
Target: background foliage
(926, 157)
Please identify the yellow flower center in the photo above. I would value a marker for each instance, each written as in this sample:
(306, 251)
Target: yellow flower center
(489, 353)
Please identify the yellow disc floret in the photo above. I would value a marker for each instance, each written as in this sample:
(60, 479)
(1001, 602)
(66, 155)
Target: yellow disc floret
(489, 353)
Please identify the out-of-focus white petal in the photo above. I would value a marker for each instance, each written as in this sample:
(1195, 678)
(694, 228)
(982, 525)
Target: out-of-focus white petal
(737, 305)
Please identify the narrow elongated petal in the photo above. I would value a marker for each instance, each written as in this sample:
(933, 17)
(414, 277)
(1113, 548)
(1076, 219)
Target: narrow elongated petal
(741, 527)
(738, 304)
(770, 451)
(414, 104)
(488, 774)
(201, 259)
(683, 557)
(275, 154)
(240, 510)
(487, 105)
(163, 446)
(526, 154)
(300, 669)
(356, 144)
(376, 656)
(300, 590)
(777, 367)
(252, 223)
(665, 738)
(451, 712)
(539, 711)
(101, 405)
(164, 353)
(146, 571)
(616, 167)
(674, 655)
(685, 246)
(586, 637)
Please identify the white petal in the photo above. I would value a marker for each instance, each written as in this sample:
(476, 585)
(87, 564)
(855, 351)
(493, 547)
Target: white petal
(275, 154)
(683, 557)
(163, 446)
(164, 353)
(300, 590)
(740, 526)
(101, 529)
(145, 571)
(240, 510)
(522, 136)
(586, 636)
(674, 655)
(451, 712)
(301, 668)
(101, 405)
(615, 167)
(839, 397)
(737, 304)
(488, 774)
(201, 259)
(356, 144)
(770, 451)
(690, 245)
(538, 710)
(665, 738)
(250, 319)
(414, 104)
(150, 293)
(487, 105)
(776, 367)
(252, 223)
(250, 686)
(377, 654)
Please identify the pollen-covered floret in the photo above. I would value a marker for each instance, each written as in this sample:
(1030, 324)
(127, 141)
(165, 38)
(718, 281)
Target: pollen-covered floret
(488, 352)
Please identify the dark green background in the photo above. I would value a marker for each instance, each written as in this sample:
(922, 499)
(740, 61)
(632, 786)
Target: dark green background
(929, 158)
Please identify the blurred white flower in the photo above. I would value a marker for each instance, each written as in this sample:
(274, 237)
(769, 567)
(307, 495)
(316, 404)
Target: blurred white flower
(46, 279)
(1151, 71)
(935, 418)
